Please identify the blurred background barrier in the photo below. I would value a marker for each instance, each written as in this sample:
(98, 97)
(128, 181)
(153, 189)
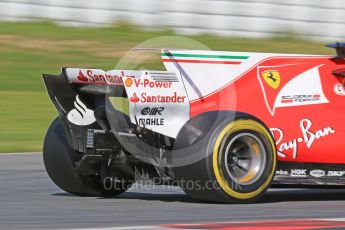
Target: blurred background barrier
(319, 20)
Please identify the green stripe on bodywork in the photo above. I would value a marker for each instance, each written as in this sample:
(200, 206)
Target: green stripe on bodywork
(120, 104)
(205, 56)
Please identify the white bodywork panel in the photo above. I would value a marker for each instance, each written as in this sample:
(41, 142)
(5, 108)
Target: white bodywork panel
(157, 101)
(205, 72)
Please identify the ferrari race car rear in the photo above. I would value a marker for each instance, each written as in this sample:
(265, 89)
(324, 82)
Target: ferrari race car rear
(118, 127)
(99, 145)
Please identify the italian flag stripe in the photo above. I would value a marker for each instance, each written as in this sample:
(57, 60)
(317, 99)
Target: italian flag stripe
(202, 61)
(205, 56)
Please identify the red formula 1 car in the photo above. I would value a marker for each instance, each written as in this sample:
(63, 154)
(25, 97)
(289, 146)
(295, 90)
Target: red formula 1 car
(222, 125)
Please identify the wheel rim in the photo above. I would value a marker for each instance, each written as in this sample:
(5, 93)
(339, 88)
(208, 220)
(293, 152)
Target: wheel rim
(245, 158)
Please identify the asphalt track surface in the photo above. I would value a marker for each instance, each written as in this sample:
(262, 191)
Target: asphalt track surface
(29, 200)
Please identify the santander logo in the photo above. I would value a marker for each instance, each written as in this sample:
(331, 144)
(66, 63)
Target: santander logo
(99, 77)
(81, 115)
(81, 77)
(134, 98)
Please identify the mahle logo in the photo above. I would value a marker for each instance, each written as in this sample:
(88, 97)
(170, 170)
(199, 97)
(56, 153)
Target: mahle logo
(272, 78)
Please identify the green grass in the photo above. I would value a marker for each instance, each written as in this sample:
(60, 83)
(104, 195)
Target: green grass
(25, 116)
(29, 49)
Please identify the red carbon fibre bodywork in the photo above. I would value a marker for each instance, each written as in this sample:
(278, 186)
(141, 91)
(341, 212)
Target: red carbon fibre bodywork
(312, 133)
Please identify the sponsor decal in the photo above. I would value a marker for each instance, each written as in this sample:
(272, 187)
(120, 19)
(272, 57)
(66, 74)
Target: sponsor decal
(309, 135)
(134, 98)
(144, 98)
(150, 121)
(81, 115)
(96, 77)
(298, 173)
(129, 82)
(339, 89)
(152, 111)
(153, 100)
(272, 78)
(317, 173)
(282, 172)
(162, 99)
(290, 85)
(296, 99)
(336, 173)
(147, 83)
(154, 121)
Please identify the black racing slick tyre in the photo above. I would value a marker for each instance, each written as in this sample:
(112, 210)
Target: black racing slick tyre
(236, 158)
(58, 158)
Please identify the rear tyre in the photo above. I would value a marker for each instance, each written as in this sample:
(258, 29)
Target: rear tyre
(237, 160)
(58, 158)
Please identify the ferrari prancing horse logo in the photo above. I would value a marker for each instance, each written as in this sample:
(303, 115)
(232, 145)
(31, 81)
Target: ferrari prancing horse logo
(272, 78)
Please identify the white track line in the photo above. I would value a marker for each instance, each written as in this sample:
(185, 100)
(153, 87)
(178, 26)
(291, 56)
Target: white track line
(25, 153)
(122, 228)
(333, 219)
